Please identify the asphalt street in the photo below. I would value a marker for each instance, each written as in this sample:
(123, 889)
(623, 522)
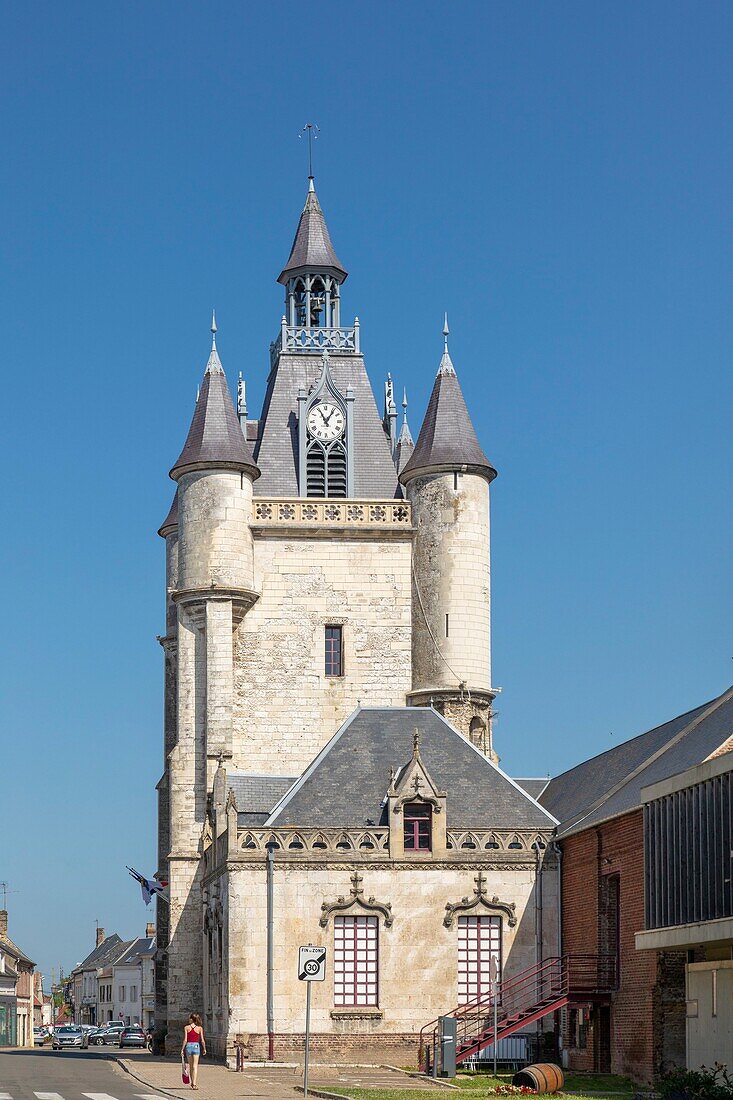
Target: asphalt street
(67, 1075)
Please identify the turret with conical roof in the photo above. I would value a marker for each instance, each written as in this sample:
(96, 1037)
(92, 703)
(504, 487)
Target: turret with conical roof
(446, 479)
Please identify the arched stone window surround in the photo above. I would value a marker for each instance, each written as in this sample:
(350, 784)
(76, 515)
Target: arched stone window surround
(479, 901)
(356, 903)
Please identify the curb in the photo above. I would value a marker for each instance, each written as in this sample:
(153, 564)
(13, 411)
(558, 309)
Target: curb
(422, 1077)
(126, 1069)
(323, 1093)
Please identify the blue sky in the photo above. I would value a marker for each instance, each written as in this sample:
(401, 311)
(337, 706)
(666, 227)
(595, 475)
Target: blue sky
(556, 176)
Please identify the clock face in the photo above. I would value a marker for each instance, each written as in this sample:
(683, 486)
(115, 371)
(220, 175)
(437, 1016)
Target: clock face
(326, 421)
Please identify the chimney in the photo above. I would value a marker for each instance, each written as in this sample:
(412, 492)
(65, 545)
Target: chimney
(3, 922)
(149, 929)
(100, 935)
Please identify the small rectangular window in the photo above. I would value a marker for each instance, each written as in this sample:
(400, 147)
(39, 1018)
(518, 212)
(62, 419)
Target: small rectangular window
(334, 651)
(418, 821)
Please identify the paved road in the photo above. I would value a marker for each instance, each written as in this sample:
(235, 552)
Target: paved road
(67, 1075)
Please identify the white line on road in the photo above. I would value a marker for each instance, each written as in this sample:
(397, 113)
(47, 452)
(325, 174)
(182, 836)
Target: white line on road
(99, 1096)
(149, 1096)
(5, 1096)
(48, 1096)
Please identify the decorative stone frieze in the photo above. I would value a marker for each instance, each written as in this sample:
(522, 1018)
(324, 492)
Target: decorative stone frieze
(330, 513)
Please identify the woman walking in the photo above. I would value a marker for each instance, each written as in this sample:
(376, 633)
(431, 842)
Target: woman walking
(194, 1045)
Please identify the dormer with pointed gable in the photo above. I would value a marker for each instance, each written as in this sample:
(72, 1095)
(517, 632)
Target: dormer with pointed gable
(416, 810)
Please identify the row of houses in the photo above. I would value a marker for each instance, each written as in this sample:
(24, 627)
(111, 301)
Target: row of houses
(116, 981)
(645, 837)
(17, 991)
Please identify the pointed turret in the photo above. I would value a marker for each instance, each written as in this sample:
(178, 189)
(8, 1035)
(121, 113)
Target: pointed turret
(447, 439)
(447, 481)
(171, 520)
(215, 439)
(312, 248)
(405, 443)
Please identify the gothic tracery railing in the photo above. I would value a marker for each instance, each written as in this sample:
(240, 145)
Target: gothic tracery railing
(331, 512)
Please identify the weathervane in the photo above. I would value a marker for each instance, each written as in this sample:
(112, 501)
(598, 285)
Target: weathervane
(313, 131)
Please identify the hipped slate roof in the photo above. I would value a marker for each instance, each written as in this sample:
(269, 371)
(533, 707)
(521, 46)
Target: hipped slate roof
(610, 784)
(346, 785)
(447, 438)
(535, 787)
(276, 453)
(312, 248)
(256, 795)
(215, 438)
(143, 945)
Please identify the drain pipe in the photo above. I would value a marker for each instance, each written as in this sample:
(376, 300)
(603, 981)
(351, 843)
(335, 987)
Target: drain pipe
(270, 951)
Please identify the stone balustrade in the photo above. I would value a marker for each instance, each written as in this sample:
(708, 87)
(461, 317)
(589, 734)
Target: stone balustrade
(331, 512)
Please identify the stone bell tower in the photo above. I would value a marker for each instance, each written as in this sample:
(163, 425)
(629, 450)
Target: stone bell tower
(447, 481)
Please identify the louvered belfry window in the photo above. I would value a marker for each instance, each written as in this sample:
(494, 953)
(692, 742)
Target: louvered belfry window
(326, 469)
(355, 961)
(479, 940)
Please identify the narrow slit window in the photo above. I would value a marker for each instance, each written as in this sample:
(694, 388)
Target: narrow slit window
(446, 624)
(334, 651)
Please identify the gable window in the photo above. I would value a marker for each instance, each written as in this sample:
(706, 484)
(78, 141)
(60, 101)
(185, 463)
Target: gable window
(479, 942)
(418, 827)
(334, 650)
(355, 961)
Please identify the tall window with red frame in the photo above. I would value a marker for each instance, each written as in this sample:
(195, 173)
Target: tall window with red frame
(479, 941)
(355, 961)
(418, 827)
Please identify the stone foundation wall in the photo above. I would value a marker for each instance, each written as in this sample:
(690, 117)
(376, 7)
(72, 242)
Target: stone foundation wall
(355, 1048)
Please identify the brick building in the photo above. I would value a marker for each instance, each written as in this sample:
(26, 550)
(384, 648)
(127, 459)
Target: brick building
(638, 1030)
(16, 991)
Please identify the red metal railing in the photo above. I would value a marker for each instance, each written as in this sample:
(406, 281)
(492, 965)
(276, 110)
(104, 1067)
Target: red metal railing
(521, 1000)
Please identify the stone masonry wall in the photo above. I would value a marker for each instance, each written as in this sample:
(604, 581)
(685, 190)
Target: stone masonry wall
(418, 955)
(285, 707)
(214, 538)
(452, 572)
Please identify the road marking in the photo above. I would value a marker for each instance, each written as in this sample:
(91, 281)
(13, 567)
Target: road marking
(145, 1096)
(48, 1096)
(99, 1096)
(5, 1096)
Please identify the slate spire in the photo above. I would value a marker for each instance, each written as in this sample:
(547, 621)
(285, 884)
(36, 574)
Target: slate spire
(447, 439)
(312, 248)
(215, 439)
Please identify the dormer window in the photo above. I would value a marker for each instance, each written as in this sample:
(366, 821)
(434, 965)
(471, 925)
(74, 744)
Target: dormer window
(418, 827)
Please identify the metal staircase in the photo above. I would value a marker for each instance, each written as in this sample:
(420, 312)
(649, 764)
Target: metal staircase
(522, 1000)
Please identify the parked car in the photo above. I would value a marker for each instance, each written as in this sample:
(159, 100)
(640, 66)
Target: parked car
(69, 1036)
(40, 1034)
(107, 1035)
(133, 1037)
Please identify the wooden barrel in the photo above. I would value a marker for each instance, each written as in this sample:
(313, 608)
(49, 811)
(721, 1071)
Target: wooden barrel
(542, 1077)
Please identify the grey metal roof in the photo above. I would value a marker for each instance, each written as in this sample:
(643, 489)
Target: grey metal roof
(215, 438)
(312, 249)
(276, 452)
(347, 783)
(610, 784)
(447, 438)
(535, 787)
(171, 520)
(256, 795)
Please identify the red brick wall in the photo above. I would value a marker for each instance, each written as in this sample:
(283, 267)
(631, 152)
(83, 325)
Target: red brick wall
(353, 1048)
(615, 847)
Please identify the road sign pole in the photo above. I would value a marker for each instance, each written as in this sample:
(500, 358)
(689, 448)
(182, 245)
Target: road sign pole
(307, 1036)
(496, 1023)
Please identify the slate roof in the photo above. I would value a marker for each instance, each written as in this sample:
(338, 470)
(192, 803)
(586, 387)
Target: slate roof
(107, 951)
(535, 787)
(610, 784)
(12, 948)
(312, 249)
(276, 452)
(447, 438)
(143, 945)
(171, 520)
(346, 785)
(256, 795)
(215, 438)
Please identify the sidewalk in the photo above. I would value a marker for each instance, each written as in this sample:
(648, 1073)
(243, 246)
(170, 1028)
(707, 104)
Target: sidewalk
(276, 1082)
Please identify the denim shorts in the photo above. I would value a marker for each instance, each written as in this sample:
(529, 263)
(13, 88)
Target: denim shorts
(193, 1048)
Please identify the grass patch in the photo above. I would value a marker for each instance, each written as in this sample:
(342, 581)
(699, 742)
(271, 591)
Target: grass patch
(580, 1086)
